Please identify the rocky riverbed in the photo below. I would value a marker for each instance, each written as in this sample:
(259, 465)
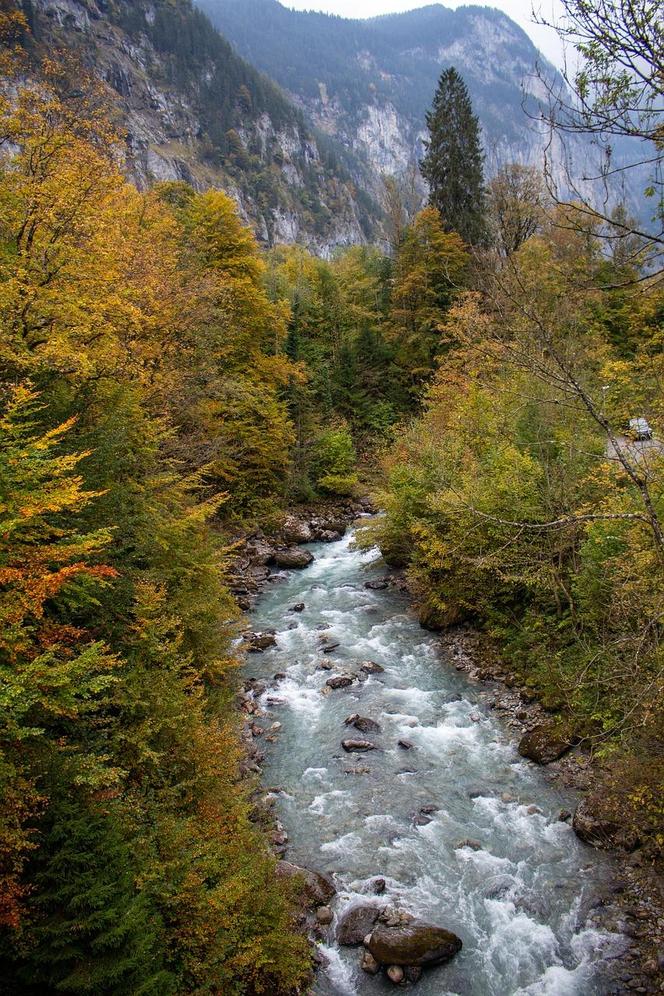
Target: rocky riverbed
(625, 907)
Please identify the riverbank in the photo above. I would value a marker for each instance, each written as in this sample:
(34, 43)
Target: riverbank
(632, 903)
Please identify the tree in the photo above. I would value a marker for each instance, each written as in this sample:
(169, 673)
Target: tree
(615, 92)
(453, 164)
(428, 271)
(516, 206)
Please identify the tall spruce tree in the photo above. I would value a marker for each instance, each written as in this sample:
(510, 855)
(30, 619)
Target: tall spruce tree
(453, 165)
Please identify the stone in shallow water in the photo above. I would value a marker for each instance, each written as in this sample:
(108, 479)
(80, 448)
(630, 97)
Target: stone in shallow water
(339, 681)
(369, 964)
(370, 667)
(362, 723)
(258, 642)
(356, 923)
(357, 745)
(395, 974)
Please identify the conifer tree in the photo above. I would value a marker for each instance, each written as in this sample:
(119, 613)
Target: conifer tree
(453, 164)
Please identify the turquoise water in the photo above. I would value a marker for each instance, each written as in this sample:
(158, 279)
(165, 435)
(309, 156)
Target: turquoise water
(521, 902)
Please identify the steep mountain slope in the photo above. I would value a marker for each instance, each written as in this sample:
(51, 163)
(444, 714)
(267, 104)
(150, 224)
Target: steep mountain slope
(194, 110)
(369, 83)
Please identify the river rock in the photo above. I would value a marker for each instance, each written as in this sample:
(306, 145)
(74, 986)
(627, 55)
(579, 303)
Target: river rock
(329, 536)
(357, 745)
(324, 915)
(317, 888)
(331, 525)
(406, 744)
(396, 974)
(356, 923)
(379, 885)
(369, 964)
(300, 607)
(258, 642)
(474, 845)
(362, 723)
(545, 743)
(293, 557)
(414, 943)
(328, 646)
(295, 531)
(370, 667)
(596, 822)
(379, 585)
(339, 681)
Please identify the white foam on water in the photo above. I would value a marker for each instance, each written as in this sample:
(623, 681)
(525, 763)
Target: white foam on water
(345, 845)
(300, 698)
(381, 822)
(442, 736)
(518, 945)
(314, 774)
(484, 861)
(321, 802)
(338, 972)
(558, 981)
(416, 697)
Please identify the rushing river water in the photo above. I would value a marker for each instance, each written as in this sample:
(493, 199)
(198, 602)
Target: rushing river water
(521, 902)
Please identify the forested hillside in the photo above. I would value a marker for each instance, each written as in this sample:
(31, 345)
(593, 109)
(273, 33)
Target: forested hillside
(170, 387)
(160, 378)
(192, 110)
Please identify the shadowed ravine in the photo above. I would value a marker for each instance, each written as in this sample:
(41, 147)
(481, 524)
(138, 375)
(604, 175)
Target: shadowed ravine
(523, 903)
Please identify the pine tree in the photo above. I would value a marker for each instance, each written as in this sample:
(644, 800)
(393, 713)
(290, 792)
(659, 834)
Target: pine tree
(453, 165)
(93, 932)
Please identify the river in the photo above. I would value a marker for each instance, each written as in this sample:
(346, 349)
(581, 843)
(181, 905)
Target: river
(522, 901)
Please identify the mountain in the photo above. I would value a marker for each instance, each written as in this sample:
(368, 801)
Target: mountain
(368, 83)
(192, 109)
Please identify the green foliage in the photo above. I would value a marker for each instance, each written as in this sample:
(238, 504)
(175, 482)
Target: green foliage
(453, 163)
(334, 460)
(515, 500)
(149, 363)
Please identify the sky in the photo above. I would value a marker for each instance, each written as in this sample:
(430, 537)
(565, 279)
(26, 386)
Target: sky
(519, 10)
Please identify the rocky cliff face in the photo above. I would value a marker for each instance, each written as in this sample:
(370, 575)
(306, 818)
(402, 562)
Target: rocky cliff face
(369, 83)
(193, 110)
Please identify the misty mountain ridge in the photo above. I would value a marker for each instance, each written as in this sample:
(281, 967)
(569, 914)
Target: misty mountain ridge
(368, 83)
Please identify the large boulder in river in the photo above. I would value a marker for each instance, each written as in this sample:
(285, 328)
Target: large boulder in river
(295, 531)
(293, 557)
(317, 889)
(413, 943)
(356, 923)
(546, 743)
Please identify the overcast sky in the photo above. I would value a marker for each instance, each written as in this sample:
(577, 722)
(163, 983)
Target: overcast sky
(519, 10)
